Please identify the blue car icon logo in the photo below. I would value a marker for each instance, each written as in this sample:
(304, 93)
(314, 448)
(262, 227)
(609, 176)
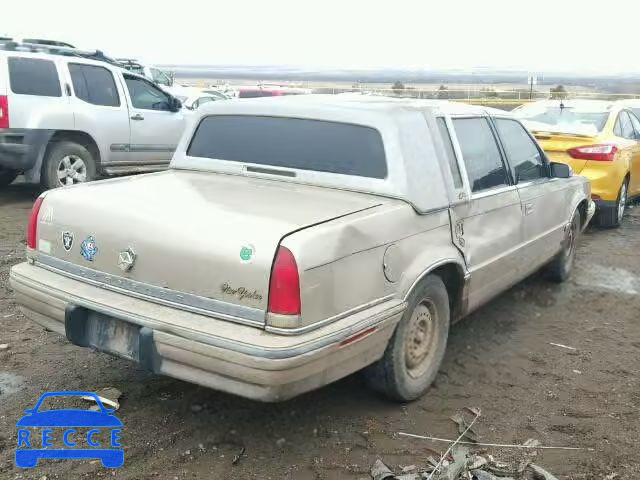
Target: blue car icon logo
(66, 423)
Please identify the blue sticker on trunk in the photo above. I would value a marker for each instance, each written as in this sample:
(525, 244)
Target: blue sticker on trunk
(89, 249)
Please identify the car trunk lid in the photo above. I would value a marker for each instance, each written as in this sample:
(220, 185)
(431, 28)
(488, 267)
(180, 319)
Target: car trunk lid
(556, 145)
(203, 240)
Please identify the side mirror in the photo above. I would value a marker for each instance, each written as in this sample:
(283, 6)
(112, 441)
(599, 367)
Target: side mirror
(560, 170)
(174, 104)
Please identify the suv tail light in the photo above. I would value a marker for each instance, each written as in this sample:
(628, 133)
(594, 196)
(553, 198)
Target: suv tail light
(32, 227)
(600, 153)
(284, 291)
(4, 111)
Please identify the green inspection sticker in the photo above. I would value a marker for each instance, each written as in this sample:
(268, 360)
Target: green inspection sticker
(246, 253)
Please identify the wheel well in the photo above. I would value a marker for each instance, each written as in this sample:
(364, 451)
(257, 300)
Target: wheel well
(582, 209)
(453, 278)
(79, 137)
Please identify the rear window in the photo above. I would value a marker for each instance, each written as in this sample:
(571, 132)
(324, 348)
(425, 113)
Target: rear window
(566, 119)
(292, 143)
(32, 76)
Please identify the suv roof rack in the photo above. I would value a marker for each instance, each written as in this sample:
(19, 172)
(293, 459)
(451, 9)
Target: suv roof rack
(51, 43)
(97, 55)
(130, 64)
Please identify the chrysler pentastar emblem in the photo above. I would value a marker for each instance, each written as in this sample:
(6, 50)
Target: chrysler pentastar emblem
(126, 259)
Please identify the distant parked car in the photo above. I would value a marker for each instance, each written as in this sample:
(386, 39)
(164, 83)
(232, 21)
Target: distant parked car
(297, 241)
(193, 102)
(599, 140)
(65, 119)
(217, 93)
(269, 91)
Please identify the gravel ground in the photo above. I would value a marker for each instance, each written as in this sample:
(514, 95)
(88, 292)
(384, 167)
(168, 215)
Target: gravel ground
(499, 360)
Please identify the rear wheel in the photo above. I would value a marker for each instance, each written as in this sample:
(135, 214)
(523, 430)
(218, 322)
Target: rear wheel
(612, 216)
(67, 163)
(7, 176)
(415, 351)
(560, 267)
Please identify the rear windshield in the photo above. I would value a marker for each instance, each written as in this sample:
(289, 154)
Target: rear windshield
(291, 143)
(565, 119)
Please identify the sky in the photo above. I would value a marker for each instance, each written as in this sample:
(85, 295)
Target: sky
(600, 36)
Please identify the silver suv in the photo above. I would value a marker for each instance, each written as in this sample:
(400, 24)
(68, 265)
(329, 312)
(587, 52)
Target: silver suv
(66, 119)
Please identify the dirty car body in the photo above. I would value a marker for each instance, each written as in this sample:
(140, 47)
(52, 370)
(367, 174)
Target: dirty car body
(295, 241)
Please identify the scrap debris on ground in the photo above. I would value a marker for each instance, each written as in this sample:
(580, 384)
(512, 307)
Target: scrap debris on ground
(466, 459)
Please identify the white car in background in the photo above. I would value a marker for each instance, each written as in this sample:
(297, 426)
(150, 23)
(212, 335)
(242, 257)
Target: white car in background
(192, 97)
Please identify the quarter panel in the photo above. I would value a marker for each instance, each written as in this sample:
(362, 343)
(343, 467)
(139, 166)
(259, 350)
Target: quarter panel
(341, 262)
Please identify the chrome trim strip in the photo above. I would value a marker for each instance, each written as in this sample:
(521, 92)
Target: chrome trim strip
(493, 191)
(126, 147)
(322, 323)
(164, 296)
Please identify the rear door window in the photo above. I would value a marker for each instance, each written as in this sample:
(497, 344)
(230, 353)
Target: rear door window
(522, 152)
(626, 127)
(94, 85)
(480, 153)
(297, 143)
(636, 124)
(34, 76)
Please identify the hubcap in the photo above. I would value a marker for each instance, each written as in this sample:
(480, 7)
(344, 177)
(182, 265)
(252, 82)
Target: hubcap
(623, 201)
(571, 239)
(420, 338)
(71, 170)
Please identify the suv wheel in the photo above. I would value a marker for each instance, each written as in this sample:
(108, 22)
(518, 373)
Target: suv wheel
(68, 163)
(612, 217)
(7, 176)
(415, 351)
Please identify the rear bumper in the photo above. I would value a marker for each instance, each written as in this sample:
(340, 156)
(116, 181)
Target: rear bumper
(22, 149)
(238, 359)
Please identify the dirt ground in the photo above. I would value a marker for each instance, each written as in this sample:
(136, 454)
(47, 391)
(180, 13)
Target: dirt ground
(499, 360)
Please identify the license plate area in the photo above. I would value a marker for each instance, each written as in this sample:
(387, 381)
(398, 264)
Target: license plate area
(105, 333)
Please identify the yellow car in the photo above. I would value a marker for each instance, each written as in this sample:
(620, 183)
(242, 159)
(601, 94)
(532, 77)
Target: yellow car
(597, 139)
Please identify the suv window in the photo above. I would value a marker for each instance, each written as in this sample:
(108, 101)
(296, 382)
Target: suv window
(316, 145)
(451, 156)
(94, 85)
(145, 95)
(523, 154)
(33, 76)
(480, 153)
(626, 127)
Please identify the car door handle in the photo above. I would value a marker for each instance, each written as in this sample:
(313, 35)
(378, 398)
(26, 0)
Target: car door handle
(528, 208)
(137, 116)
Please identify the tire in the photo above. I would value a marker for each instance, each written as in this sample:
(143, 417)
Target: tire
(7, 176)
(612, 217)
(559, 269)
(403, 374)
(67, 163)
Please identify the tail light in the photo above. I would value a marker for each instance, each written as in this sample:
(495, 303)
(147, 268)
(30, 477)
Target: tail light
(284, 290)
(32, 227)
(600, 153)
(4, 111)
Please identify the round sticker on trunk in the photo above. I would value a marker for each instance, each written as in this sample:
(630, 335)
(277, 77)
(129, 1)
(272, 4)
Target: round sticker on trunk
(246, 253)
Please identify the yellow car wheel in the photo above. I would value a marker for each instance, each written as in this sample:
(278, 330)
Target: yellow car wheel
(611, 217)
